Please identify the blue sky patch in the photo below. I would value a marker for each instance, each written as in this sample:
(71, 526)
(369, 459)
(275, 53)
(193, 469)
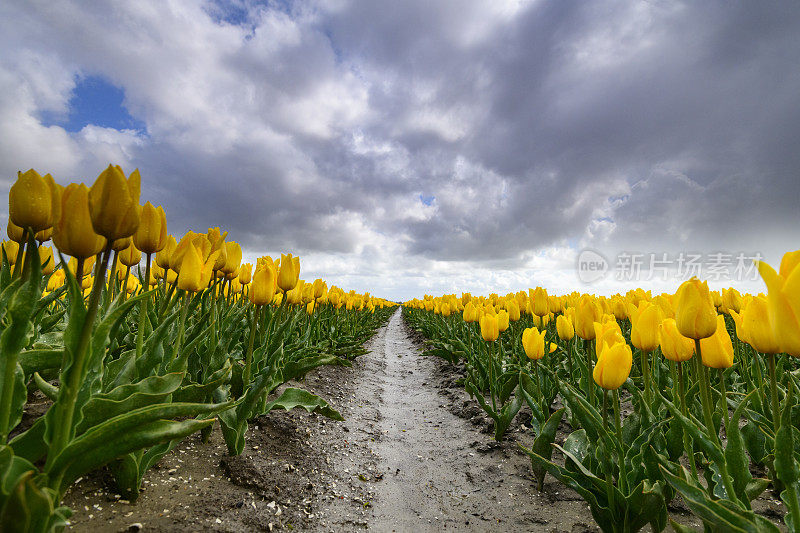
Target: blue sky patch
(98, 102)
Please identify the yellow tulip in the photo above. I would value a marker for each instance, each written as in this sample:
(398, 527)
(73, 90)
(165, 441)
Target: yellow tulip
(502, 320)
(564, 328)
(151, 235)
(120, 244)
(11, 249)
(758, 329)
(246, 274)
(533, 343)
(176, 259)
(614, 367)
(731, 300)
(164, 256)
(263, 290)
(489, 328)
(716, 351)
(445, 310)
(130, 256)
(33, 201)
(15, 233)
(47, 260)
(114, 203)
(540, 305)
(645, 322)
(74, 234)
(695, 313)
(44, 235)
(606, 334)
(674, 346)
(191, 270)
(586, 314)
(289, 272)
(233, 257)
(784, 301)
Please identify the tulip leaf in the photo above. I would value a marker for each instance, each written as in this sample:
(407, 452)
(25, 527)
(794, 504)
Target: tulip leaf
(292, 398)
(735, 457)
(717, 515)
(40, 359)
(542, 444)
(786, 466)
(298, 369)
(709, 448)
(46, 388)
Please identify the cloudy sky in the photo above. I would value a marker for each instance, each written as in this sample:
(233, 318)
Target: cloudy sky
(426, 145)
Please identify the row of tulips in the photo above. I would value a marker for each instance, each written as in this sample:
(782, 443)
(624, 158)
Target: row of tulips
(136, 357)
(708, 378)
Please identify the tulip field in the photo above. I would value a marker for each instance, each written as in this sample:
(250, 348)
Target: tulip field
(138, 340)
(708, 379)
(135, 357)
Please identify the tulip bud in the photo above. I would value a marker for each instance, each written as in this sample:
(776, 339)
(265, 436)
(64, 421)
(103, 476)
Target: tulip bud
(120, 244)
(74, 234)
(645, 322)
(540, 305)
(164, 257)
(533, 343)
(246, 274)
(151, 235)
(489, 328)
(263, 290)
(513, 310)
(47, 260)
(11, 250)
(783, 299)
(695, 313)
(130, 256)
(233, 258)
(502, 320)
(114, 203)
(759, 331)
(586, 314)
(31, 201)
(15, 233)
(191, 270)
(716, 351)
(564, 328)
(614, 367)
(674, 346)
(320, 288)
(289, 272)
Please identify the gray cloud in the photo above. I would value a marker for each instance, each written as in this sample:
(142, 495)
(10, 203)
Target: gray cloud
(531, 127)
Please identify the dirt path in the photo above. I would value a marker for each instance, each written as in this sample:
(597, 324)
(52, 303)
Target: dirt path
(413, 454)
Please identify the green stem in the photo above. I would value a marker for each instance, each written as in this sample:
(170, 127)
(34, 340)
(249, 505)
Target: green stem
(773, 383)
(645, 376)
(143, 313)
(687, 445)
(622, 480)
(182, 327)
(587, 346)
(249, 356)
(68, 393)
(112, 279)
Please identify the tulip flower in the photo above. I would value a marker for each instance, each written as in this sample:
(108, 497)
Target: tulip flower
(586, 314)
(502, 320)
(695, 313)
(674, 346)
(288, 272)
(784, 301)
(47, 260)
(757, 326)
(33, 201)
(716, 351)
(15, 233)
(513, 310)
(533, 343)
(164, 256)
(263, 290)
(320, 288)
(114, 203)
(130, 256)
(564, 328)
(233, 258)
(11, 249)
(645, 322)
(540, 306)
(489, 328)
(191, 270)
(151, 235)
(74, 233)
(614, 366)
(246, 273)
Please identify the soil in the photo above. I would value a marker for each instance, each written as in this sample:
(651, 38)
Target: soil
(413, 454)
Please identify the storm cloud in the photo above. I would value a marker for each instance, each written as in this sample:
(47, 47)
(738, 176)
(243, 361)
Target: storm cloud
(416, 146)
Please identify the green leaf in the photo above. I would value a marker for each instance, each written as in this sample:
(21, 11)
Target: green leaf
(542, 445)
(47, 389)
(298, 369)
(292, 398)
(735, 457)
(42, 359)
